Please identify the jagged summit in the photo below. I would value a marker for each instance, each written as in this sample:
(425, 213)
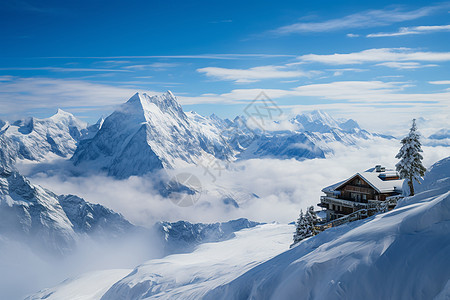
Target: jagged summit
(142, 102)
(66, 118)
(60, 111)
(318, 117)
(321, 121)
(322, 116)
(148, 133)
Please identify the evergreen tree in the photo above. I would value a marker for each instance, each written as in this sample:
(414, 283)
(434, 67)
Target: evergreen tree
(305, 225)
(410, 165)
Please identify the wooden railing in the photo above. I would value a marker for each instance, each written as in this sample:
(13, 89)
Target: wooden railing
(343, 202)
(373, 207)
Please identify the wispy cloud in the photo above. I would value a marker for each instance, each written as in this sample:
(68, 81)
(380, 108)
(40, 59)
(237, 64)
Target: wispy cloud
(440, 82)
(371, 92)
(221, 21)
(29, 94)
(352, 35)
(252, 74)
(359, 97)
(405, 65)
(376, 56)
(60, 69)
(156, 65)
(412, 30)
(339, 72)
(365, 19)
(193, 56)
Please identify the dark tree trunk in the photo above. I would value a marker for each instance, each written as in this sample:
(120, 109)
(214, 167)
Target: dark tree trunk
(411, 186)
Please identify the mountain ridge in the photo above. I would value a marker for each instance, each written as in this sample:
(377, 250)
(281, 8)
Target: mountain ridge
(150, 133)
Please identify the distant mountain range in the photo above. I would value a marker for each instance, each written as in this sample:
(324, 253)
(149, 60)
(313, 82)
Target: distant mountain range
(149, 133)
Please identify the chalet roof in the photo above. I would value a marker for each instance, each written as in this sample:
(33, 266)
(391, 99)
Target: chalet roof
(375, 180)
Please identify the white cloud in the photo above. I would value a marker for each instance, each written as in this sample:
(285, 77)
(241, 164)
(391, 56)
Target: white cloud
(339, 72)
(34, 93)
(252, 74)
(412, 30)
(377, 55)
(366, 19)
(359, 98)
(60, 69)
(219, 56)
(440, 82)
(156, 65)
(357, 91)
(404, 65)
(352, 35)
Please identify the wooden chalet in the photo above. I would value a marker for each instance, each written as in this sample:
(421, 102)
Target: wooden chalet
(361, 191)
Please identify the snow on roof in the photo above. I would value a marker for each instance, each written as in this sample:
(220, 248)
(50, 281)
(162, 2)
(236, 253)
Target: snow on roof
(331, 188)
(382, 186)
(374, 179)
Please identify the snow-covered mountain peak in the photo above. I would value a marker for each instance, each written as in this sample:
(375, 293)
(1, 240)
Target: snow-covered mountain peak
(66, 118)
(147, 106)
(149, 133)
(60, 112)
(322, 122)
(349, 125)
(319, 116)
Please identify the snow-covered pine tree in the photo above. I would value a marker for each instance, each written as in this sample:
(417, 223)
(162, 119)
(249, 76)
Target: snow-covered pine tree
(305, 225)
(410, 165)
(311, 216)
(300, 229)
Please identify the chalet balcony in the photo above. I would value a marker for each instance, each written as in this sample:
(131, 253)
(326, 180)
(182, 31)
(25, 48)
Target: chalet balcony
(342, 202)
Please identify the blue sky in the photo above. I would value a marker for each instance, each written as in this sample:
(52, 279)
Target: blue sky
(380, 63)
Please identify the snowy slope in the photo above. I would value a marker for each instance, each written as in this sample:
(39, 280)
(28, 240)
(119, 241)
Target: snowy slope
(402, 254)
(90, 286)
(182, 276)
(189, 276)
